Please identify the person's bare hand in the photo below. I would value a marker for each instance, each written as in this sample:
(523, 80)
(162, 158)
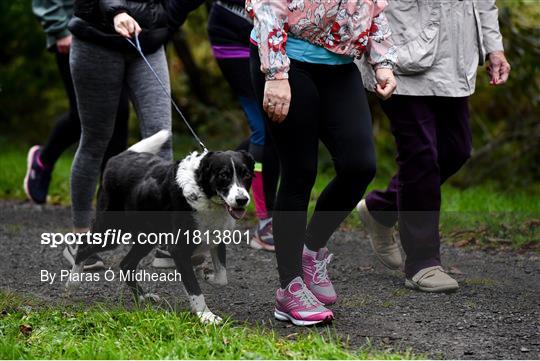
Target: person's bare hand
(277, 99)
(125, 25)
(386, 83)
(498, 68)
(63, 44)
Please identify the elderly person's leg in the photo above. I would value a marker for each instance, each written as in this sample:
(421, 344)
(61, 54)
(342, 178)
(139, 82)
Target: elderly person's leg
(379, 213)
(454, 134)
(379, 210)
(415, 127)
(413, 122)
(382, 204)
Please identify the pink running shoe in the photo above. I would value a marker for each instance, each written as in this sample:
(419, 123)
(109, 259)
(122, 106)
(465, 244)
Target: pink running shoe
(316, 275)
(298, 305)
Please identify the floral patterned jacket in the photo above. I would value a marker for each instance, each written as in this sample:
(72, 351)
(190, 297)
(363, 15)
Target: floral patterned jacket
(346, 27)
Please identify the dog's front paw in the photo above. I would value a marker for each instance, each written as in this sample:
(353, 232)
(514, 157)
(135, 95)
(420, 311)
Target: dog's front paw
(149, 297)
(219, 279)
(71, 286)
(208, 318)
(74, 279)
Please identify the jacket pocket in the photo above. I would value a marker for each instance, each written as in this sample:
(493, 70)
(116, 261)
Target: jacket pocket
(418, 54)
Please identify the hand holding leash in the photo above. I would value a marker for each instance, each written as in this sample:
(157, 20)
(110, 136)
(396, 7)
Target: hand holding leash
(126, 26)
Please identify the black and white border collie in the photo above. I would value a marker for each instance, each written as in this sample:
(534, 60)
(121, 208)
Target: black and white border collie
(207, 191)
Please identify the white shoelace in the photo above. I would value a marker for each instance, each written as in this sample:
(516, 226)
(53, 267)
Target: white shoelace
(320, 269)
(306, 297)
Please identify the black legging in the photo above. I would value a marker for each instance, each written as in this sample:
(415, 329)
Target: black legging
(226, 28)
(270, 170)
(328, 103)
(67, 129)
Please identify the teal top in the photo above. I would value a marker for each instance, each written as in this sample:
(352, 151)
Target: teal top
(306, 52)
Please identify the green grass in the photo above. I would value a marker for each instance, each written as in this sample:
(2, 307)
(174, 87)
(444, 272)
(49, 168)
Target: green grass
(492, 218)
(33, 331)
(484, 216)
(13, 165)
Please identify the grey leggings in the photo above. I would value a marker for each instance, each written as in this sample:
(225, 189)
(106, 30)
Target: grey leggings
(99, 75)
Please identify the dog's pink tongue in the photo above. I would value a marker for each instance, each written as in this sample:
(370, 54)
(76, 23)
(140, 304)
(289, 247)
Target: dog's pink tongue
(236, 213)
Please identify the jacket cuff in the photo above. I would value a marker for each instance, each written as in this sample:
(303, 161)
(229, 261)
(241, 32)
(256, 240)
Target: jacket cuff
(386, 64)
(111, 8)
(280, 75)
(117, 11)
(493, 46)
(61, 34)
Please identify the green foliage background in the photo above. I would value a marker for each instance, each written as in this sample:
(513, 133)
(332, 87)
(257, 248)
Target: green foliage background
(504, 119)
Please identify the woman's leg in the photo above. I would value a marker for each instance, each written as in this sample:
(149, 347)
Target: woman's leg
(119, 138)
(98, 79)
(270, 172)
(229, 35)
(234, 70)
(67, 130)
(296, 142)
(346, 131)
(151, 103)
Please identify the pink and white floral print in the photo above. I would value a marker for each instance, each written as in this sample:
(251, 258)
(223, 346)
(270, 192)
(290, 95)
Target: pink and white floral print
(345, 27)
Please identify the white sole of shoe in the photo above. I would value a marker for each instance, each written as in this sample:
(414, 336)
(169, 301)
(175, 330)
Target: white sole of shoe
(28, 170)
(439, 289)
(68, 256)
(99, 265)
(163, 263)
(91, 267)
(282, 316)
(256, 243)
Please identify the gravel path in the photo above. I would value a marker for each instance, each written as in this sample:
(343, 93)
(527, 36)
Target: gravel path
(495, 314)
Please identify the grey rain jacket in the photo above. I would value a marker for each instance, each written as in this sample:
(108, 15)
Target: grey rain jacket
(440, 45)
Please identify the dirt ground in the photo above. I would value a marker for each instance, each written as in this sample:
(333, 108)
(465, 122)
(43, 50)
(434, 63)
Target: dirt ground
(494, 315)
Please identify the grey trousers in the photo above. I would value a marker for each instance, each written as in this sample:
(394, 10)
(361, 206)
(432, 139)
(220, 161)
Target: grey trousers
(99, 75)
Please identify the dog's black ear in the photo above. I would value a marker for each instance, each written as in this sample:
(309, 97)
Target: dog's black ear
(248, 160)
(203, 172)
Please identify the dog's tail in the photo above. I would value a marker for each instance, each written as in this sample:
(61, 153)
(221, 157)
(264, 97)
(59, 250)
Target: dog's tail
(151, 144)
